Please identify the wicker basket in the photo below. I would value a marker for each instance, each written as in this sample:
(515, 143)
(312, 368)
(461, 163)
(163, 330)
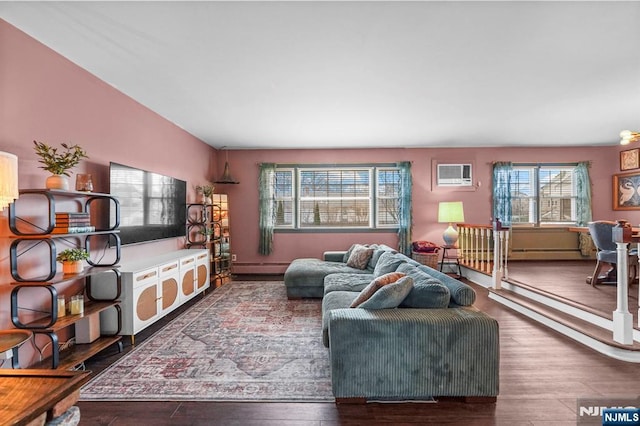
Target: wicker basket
(428, 259)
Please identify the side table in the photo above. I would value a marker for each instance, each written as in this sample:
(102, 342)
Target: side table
(12, 340)
(450, 258)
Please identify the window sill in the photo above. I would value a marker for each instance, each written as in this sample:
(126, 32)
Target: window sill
(336, 231)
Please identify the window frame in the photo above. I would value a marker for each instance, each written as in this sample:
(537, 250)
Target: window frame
(374, 221)
(537, 199)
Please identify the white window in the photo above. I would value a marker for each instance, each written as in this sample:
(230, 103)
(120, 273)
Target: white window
(543, 194)
(333, 197)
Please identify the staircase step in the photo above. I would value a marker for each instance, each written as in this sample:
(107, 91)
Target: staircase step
(572, 322)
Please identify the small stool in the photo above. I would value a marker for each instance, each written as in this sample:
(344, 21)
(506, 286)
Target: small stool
(450, 259)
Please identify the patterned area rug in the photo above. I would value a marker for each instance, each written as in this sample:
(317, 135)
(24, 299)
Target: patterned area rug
(243, 342)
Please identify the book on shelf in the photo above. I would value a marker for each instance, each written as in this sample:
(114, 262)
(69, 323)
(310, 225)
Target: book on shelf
(72, 214)
(73, 222)
(73, 229)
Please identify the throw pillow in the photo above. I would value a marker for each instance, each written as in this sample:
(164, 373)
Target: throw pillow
(377, 251)
(389, 296)
(388, 262)
(427, 292)
(424, 247)
(359, 257)
(374, 286)
(348, 253)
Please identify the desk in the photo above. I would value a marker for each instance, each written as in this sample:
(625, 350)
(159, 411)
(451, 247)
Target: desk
(29, 394)
(585, 229)
(450, 259)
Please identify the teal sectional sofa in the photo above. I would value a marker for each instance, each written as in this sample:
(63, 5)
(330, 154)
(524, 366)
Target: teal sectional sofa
(435, 343)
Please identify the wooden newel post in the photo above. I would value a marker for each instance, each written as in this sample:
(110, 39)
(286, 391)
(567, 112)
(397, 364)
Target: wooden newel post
(622, 232)
(622, 319)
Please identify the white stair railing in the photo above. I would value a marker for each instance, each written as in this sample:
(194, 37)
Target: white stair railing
(484, 249)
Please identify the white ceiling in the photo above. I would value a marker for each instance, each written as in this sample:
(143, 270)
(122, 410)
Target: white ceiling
(307, 74)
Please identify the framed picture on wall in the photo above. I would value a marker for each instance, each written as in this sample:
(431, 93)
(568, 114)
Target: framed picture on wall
(626, 187)
(630, 159)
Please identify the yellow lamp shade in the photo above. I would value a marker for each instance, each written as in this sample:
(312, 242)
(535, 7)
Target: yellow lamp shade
(450, 212)
(8, 179)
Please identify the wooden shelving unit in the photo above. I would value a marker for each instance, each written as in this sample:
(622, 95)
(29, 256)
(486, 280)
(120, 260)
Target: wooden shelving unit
(213, 217)
(29, 233)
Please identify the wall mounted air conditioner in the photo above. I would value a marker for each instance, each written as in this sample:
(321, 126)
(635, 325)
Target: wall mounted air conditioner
(454, 175)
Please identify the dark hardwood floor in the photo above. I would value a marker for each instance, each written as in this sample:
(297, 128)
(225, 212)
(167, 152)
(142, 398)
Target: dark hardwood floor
(542, 375)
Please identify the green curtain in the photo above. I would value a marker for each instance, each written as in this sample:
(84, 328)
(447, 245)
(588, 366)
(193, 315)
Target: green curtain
(266, 185)
(583, 194)
(404, 209)
(502, 192)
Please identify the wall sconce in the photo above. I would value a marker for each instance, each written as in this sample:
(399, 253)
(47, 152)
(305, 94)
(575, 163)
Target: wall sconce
(450, 212)
(8, 179)
(627, 136)
(226, 175)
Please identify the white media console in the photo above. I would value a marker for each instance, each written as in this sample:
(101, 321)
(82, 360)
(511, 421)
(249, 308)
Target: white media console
(152, 287)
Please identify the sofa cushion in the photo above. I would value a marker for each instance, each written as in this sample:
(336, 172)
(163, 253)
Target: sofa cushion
(377, 252)
(305, 277)
(388, 262)
(374, 286)
(346, 282)
(389, 296)
(461, 293)
(334, 300)
(359, 257)
(427, 292)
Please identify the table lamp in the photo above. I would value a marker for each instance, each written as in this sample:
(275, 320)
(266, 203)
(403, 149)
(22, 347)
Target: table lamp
(450, 212)
(8, 179)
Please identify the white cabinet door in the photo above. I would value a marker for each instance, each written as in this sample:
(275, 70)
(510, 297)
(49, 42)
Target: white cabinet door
(202, 272)
(187, 278)
(169, 286)
(146, 298)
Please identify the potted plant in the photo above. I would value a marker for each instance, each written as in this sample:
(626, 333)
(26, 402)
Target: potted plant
(72, 260)
(206, 191)
(207, 232)
(58, 163)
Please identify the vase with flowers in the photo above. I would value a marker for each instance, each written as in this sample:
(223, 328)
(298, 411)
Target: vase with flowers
(205, 191)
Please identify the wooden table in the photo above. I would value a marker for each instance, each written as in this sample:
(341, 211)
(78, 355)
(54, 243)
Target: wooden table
(585, 229)
(26, 395)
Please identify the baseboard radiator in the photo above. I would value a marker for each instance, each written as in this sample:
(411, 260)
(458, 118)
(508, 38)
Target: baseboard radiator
(556, 243)
(260, 267)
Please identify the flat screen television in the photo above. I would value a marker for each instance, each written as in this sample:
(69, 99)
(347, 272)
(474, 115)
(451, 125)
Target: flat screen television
(152, 206)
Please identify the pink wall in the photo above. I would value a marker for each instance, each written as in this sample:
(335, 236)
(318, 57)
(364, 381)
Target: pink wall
(45, 97)
(477, 201)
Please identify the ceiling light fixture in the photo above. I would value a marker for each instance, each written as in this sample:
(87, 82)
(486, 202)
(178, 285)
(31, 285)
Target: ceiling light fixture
(226, 175)
(627, 136)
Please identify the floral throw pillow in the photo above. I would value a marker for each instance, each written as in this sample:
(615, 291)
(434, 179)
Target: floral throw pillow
(376, 285)
(359, 257)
